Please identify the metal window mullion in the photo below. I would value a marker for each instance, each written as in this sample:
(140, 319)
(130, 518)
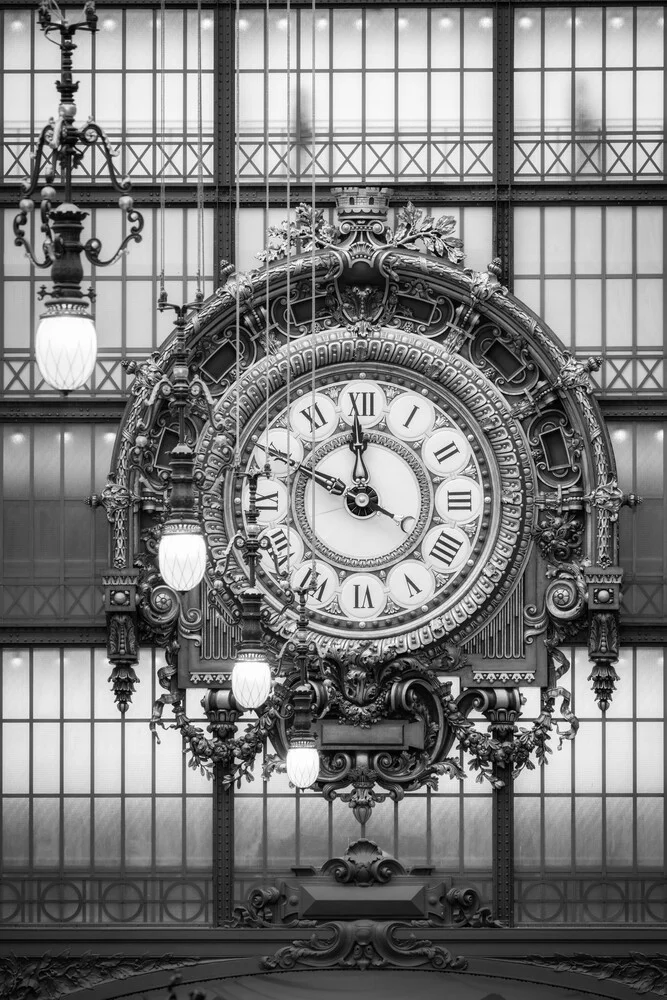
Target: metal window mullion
(573, 92)
(664, 508)
(154, 104)
(462, 87)
(184, 100)
(634, 129)
(364, 136)
(664, 718)
(397, 90)
(573, 791)
(225, 98)
(634, 761)
(93, 98)
(92, 802)
(61, 769)
(297, 825)
(154, 276)
(461, 798)
(603, 279)
(429, 132)
(603, 72)
(152, 865)
(184, 808)
(31, 764)
(542, 274)
(297, 100)
(122, 867)
(604, 797)
(62, 536)
(543, 825)
(91, 515)
(634, 285)
(265, 821)
(330, 72)
(543, 81)
(429, 838)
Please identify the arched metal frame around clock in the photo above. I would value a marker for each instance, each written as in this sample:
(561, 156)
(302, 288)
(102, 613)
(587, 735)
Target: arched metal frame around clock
(461, 315)
(500, 548)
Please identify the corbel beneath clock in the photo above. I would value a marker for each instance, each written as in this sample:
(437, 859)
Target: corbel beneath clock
(359, 907)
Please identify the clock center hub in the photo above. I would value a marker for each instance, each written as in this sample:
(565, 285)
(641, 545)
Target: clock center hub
(361, 500)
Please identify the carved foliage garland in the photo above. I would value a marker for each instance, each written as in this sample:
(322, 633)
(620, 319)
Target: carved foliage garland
(51, 976)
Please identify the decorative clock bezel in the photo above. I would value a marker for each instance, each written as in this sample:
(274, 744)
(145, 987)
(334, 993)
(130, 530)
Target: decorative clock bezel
(392, 356)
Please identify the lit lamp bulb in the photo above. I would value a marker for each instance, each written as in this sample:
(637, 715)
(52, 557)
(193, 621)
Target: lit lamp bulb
(251, 674)
(182, 555)
(303, 760)
(182, 549)
(251, 680)
(66, 345)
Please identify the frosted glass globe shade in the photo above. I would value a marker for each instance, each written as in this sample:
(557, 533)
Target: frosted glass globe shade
(251, 682)
(66, 349)
(182, 559)
(303, 765)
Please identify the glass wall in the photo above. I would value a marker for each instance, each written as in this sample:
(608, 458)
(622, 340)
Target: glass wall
(589, 826)
(640, 454)
(120, 85)
(54, 548)
(595, 275)
(589, 93)
(100, 824)
(397, 94)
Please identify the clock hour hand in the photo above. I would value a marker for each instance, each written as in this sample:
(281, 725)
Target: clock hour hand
(330, 483)
(358, 445)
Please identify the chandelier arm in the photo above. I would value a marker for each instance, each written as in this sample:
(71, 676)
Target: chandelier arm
(38, 159)
(21, 240)
(93, 246)
(92, 135)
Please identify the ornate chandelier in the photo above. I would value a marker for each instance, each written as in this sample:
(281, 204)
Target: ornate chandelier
(66, 342)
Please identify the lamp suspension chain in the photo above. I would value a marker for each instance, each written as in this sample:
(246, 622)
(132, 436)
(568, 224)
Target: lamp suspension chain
(267, 208)
(288, 196)
(313, 576)
(200, 163)
(163, 194)
(237, 220)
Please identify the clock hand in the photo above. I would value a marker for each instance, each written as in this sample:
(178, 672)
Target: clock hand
(401, 520)
(358, 445)
(364, 500)
(334, 486)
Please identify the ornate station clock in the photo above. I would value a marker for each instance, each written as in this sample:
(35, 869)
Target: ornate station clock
(398, 490)
(404, 445)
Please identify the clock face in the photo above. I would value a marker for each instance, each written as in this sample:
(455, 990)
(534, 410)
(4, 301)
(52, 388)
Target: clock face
(383, 498)
(379, 531)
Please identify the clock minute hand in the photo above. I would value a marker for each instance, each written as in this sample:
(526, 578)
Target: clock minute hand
(330, 483)
(403, 521)
(358, 445)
